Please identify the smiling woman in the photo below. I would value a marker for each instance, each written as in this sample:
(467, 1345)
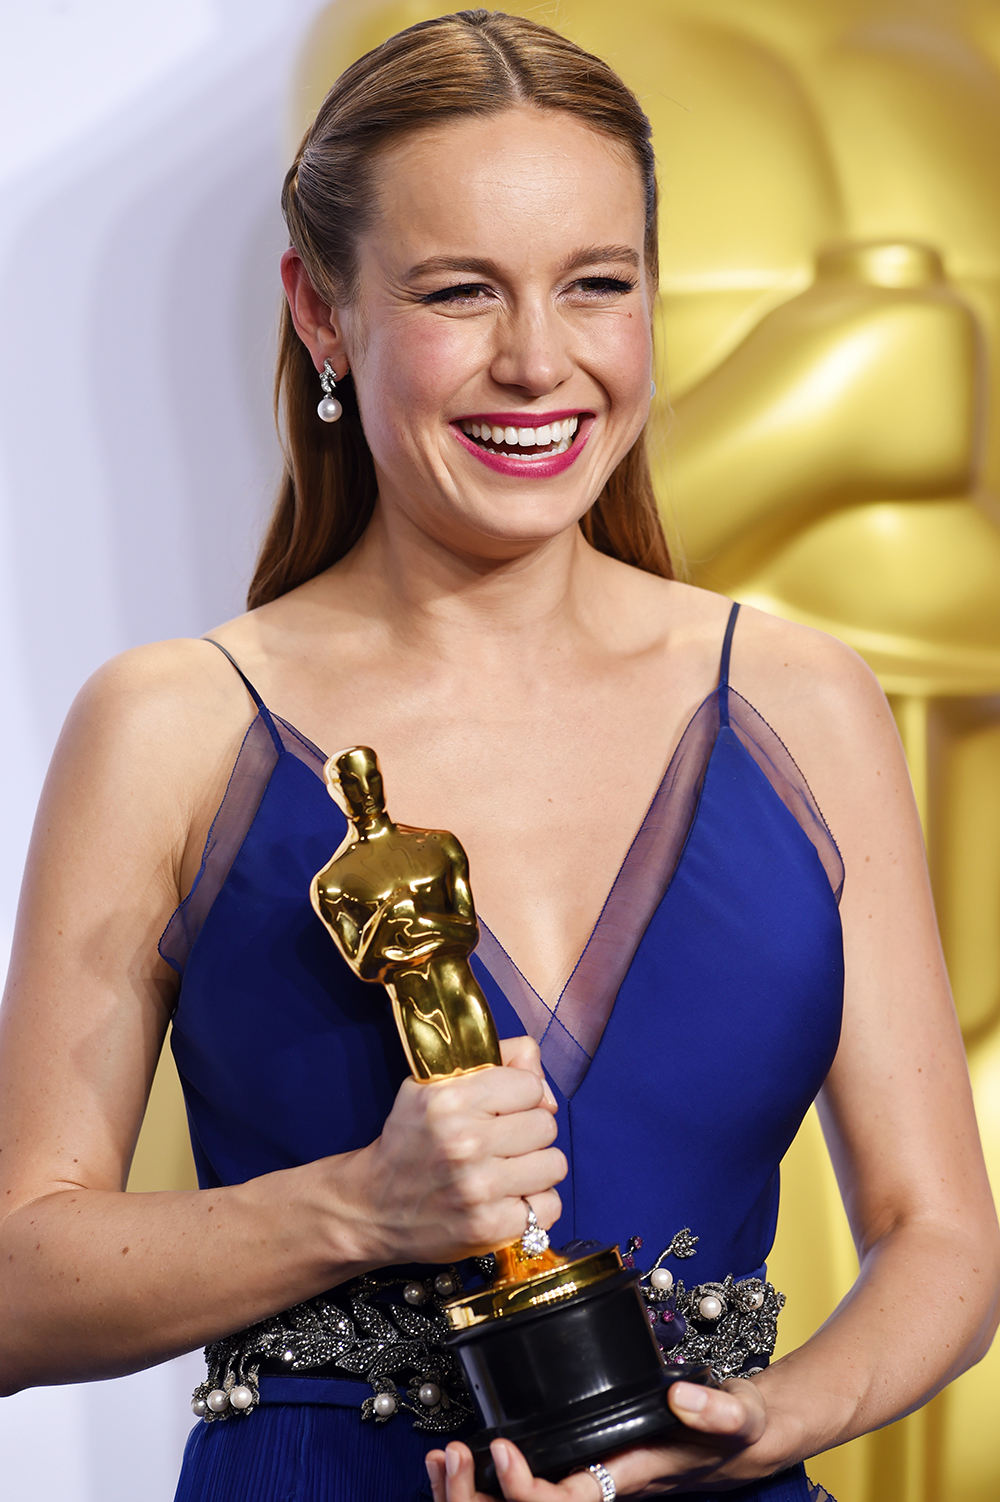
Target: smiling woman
(430, 82)
(417, 334)
(466, 571)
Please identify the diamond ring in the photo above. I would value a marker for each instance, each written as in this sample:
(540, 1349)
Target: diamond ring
(535, 1241)
(605, 1481)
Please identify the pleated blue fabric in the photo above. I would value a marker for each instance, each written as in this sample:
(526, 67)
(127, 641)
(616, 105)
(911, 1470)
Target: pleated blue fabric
(304, 1453)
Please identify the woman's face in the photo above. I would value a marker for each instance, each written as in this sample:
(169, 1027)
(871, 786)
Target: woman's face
(500, 338)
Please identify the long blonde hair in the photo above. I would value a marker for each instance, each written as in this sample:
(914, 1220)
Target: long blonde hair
(475, 62)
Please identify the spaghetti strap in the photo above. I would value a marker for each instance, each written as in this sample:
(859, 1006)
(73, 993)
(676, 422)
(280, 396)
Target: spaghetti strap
(262, 708)
(727, 645)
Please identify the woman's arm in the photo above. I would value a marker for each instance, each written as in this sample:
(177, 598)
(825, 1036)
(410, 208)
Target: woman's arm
(93, 1281)
(897, 1106)
(897, 1111)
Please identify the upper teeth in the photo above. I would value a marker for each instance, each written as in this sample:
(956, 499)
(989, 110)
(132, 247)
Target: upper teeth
(552, 432)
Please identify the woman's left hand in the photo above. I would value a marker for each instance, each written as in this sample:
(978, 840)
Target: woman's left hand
(719, 1426)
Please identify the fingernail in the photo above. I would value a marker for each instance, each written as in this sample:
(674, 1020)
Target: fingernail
(452, 1461)
(689, 1396)
(433, 1469)
(501, 1456)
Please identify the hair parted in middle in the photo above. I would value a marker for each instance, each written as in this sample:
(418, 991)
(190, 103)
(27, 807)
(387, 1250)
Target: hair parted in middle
(472, 63)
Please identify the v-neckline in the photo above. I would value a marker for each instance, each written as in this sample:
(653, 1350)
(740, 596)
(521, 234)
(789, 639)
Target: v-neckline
(569, 1030)
(553, 1007)
(550, 1007)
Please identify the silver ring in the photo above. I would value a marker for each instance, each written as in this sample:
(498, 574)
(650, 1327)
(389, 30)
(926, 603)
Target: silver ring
(605, 1481)
(535, 1241)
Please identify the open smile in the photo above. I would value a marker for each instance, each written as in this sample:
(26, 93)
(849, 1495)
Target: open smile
(543, 444)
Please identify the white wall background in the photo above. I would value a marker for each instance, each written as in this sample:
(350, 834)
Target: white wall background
(142, 147)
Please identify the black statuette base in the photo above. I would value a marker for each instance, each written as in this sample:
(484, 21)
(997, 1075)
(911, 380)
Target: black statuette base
(583, 1437)
(571, 1382)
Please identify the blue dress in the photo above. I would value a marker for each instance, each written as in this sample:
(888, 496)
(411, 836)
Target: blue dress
(697, 1028)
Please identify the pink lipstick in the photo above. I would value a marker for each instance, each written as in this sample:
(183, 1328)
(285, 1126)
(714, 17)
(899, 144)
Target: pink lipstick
(520, 444)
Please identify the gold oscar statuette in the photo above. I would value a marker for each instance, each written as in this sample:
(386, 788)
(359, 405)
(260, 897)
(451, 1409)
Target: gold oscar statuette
(557, 1351)
(398, 905)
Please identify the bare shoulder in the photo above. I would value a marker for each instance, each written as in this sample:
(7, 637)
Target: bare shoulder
(815, 691)
(829, 709)
(164, 677)
(174, 697)
(804, 671)
(151, 737)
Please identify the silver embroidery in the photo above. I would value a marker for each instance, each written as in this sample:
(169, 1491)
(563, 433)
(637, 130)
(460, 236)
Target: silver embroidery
(738, 1342)
(399, 1349)
(391, 1345)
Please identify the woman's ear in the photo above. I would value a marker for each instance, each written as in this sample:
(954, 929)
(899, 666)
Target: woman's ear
(317, 324)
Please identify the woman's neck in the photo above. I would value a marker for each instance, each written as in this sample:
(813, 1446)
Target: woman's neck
(424, 589)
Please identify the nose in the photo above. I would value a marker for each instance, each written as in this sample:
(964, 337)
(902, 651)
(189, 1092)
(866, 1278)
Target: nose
(532, 352)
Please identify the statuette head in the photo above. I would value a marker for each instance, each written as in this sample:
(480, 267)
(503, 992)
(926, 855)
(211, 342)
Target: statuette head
(355, 782)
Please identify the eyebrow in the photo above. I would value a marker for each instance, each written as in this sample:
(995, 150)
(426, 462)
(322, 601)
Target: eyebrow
(592, 255)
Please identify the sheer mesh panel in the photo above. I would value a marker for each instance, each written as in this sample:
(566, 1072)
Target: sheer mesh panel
(247, 784)
(778, 765)
(534, 1013)
(570, 1030)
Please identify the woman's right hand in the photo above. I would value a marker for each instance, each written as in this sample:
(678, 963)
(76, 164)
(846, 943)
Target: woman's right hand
(456, 1159)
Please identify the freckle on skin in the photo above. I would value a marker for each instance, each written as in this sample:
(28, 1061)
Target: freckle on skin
(124, 1251)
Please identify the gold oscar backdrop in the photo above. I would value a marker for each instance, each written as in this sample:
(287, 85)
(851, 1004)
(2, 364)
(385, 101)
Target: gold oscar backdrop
(828, 449)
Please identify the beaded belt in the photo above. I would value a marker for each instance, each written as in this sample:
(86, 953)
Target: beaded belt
(391, 1338)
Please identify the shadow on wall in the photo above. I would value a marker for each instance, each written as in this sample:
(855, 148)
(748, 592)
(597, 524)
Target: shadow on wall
(140, 298)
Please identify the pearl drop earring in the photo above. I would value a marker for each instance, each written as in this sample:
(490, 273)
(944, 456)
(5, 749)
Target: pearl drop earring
(652, 390)
(329, 408)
